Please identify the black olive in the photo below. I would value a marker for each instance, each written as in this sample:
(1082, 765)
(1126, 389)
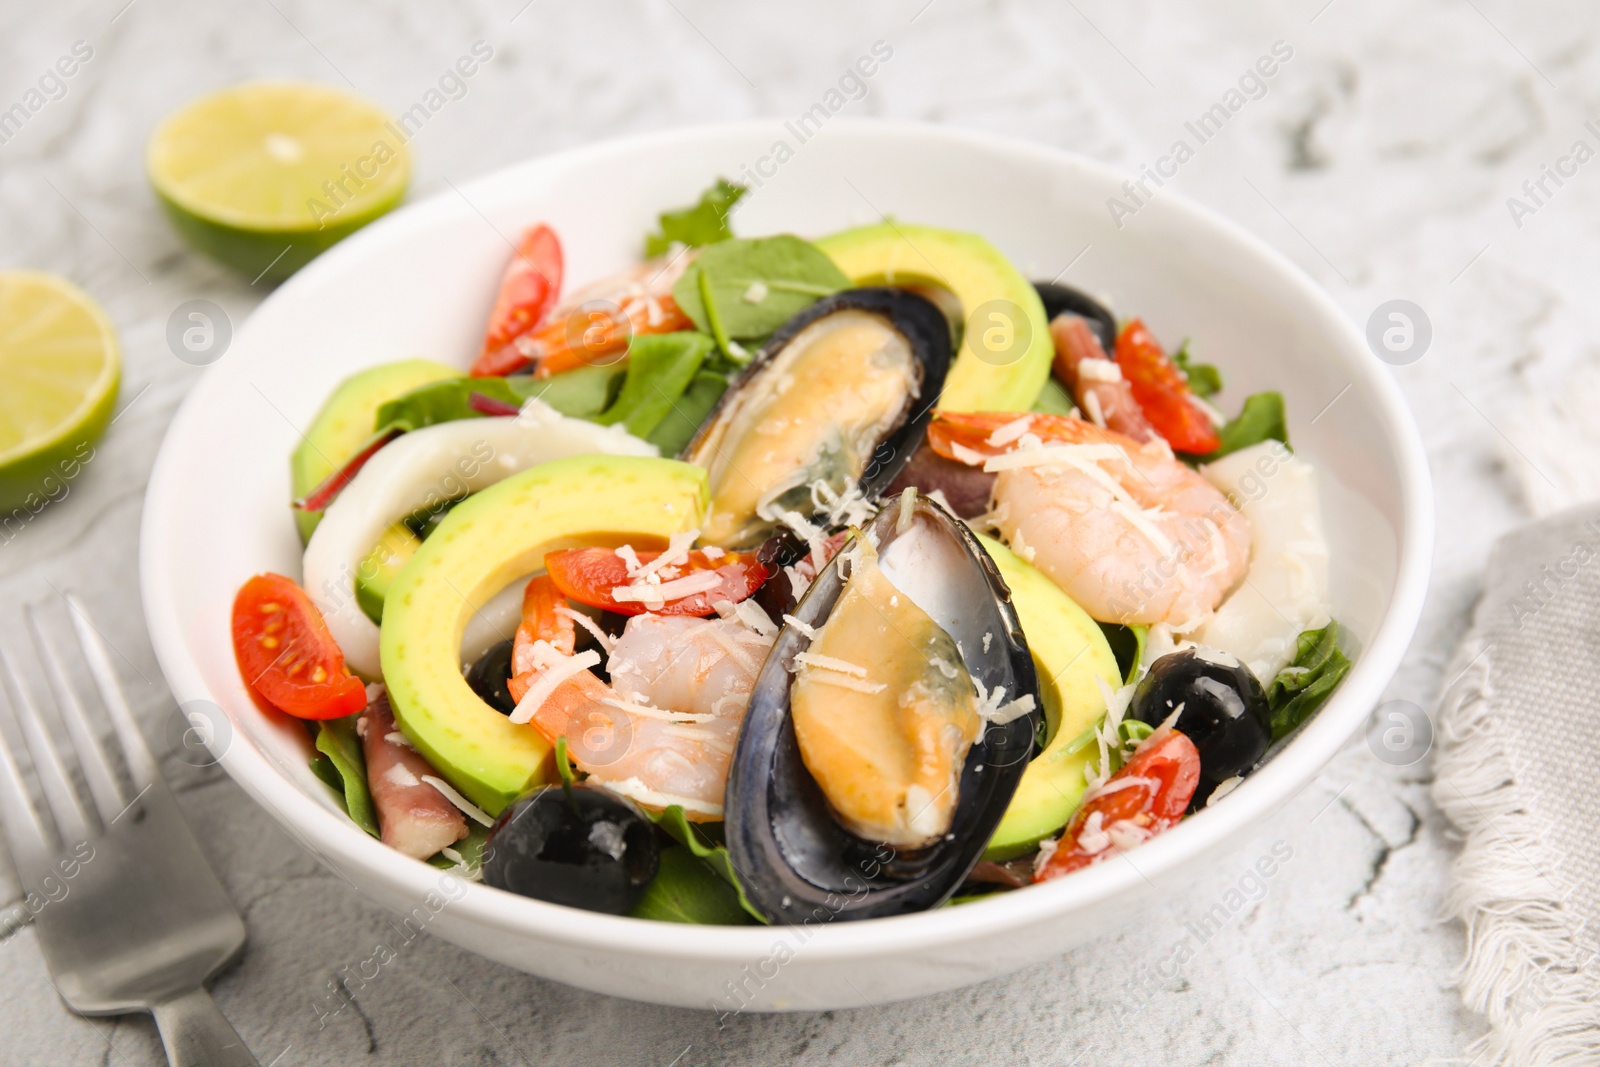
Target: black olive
(585, 848)
(488, 678)
(1058, 298)
(1224, 712)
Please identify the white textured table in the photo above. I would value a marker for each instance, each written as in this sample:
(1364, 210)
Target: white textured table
(1379, 157)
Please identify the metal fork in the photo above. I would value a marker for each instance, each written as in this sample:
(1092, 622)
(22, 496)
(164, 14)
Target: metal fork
(129, 913)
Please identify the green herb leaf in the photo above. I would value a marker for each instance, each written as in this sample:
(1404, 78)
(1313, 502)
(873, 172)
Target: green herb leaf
(702, 223)
(582, 392)
(337, 740)
(1302, 687)
(470, 847)
(693, 836)
(674, 432)
(1262, 418)
(686, 890)
(660, 367)
(1054, 400)
(446, 401)
(1204, 379)
(788, 275)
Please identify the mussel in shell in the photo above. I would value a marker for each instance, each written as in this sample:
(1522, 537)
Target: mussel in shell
(840, 396)
(878, 751)
(1058, 298)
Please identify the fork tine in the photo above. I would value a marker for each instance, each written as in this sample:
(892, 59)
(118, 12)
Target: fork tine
(71, 822)
(91, 757)
(30, 850)
(141, 765)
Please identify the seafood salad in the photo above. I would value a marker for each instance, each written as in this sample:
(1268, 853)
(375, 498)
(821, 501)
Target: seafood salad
(783, 580)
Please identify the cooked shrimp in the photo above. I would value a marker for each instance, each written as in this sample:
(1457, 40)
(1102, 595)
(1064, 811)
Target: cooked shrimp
(1126, 530)
(596, 321)
(664, 731)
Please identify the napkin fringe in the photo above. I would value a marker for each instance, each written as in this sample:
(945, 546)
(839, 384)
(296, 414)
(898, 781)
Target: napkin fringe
(1523, 969)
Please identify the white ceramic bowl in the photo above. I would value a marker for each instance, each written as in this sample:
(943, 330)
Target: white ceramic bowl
(420, 283)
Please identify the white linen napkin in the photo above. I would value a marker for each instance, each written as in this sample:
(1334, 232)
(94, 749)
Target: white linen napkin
(1518, 772)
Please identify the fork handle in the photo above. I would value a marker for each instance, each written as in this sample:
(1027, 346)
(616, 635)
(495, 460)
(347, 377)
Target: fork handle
(196, 1034)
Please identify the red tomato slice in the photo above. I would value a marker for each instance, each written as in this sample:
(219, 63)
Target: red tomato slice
(1163, 393)
(592, 575)
(287, 655)
(528, 289)
(1165, 771)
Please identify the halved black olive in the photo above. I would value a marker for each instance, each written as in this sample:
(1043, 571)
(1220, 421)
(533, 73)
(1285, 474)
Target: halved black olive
(1223, 711)
(1058, 298)
(489, 675)
(581, 846)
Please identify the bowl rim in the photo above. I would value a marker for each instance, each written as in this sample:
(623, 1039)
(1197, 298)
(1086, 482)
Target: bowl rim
(341, 845)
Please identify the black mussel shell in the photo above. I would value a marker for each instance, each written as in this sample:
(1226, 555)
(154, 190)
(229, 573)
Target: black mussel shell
(1058, 298)
(916, 318)
(795, 862)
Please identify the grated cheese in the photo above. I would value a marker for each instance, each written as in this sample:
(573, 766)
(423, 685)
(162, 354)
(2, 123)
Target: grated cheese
(637, 790)
(828, 676)
(468, 808)
(735, 653)
(908, 504)
(970, 457)
(754, 618)
(677, 552)
(676, 588)
(756, 293)
(645, 711)
(1004, 435)
(1098, 370)
(813, 659)
(395, 737)
(1140, 520)
(400, 775)
(603, 639)
(549, 679)
(804, 627)
(1091, 404)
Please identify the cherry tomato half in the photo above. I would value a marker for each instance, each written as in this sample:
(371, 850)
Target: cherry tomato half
(593, 575)
(528, 290)
(1163, 773)
(1164, 394)
(286, 653)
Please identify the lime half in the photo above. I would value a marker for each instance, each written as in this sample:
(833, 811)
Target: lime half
(59, 371)
(266, 175)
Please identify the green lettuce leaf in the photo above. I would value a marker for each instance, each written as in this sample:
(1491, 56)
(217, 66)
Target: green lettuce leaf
(1261, 419)
(787, 274)
(337, 740)
(1302, 687)
(1204, 379)
(691, 409)
(702, 223)
(687, 890)
(693, 836)
(582, 392)
(660, 368)
(446, 401)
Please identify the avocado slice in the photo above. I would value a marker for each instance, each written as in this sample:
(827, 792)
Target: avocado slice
(998, 304)
(1071, 652)
(379, 570)
(485, 543)
(347, 420)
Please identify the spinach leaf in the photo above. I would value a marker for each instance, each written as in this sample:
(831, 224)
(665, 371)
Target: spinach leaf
(660, 367)
(753, 286)
(702, 223)
(337, 740)
(1054, 400)
(1262, 418)
(470, 847)
(446, 401)
(674, 432)
(582, 392)
(687, 890)
(694, 837)
(1204, 379)
(1300, 688)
